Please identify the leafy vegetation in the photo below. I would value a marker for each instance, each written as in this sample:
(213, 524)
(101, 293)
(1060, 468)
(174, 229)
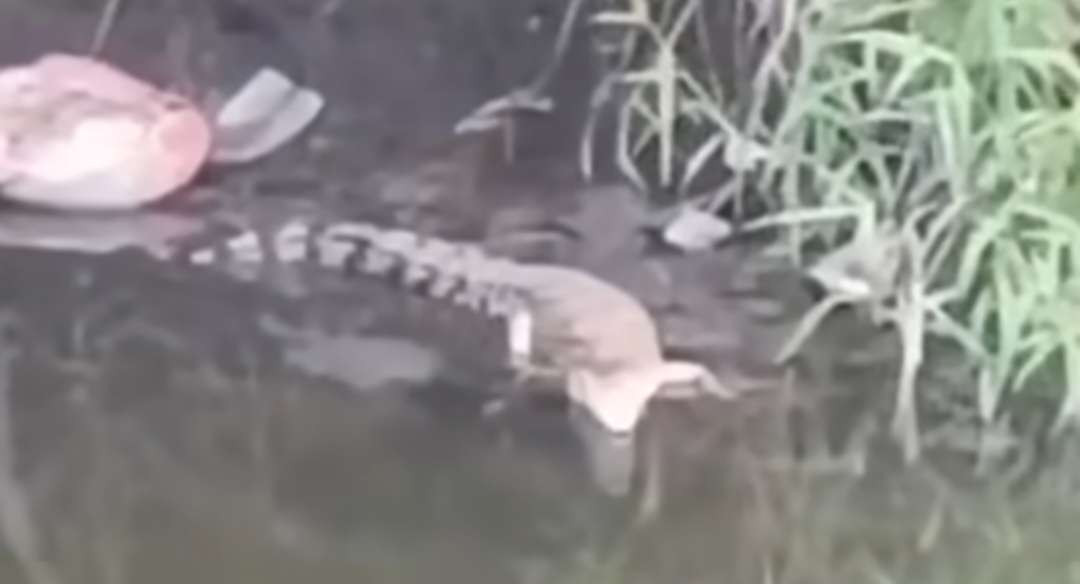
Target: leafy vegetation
(920, 156)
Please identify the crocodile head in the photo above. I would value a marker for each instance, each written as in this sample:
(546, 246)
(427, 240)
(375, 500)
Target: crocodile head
(618, 399)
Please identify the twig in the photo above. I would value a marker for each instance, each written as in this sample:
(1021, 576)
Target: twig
(105, 26)
(498, 112)
(562, 43)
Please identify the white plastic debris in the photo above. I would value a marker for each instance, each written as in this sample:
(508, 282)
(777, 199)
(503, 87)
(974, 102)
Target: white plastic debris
(268, 111)
(694, 230)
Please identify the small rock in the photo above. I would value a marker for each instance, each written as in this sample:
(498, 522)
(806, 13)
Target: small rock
(695, 230)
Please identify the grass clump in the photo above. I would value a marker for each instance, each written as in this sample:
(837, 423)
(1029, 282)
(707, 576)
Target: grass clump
(921, 157)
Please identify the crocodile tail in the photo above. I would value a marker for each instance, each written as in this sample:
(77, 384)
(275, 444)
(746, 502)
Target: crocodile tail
(459, 273)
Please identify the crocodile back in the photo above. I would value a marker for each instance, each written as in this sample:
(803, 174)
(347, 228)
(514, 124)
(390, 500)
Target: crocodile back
(583, 322)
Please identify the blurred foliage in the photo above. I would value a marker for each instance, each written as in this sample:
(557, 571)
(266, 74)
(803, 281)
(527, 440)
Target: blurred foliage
(920, 156)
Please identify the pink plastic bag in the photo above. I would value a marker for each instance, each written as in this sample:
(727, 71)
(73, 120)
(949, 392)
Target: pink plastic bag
(78, 134)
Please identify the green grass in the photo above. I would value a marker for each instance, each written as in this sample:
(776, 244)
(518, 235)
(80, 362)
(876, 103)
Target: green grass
(940, 136)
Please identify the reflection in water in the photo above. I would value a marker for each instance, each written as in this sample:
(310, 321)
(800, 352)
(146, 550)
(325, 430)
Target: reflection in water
(610, 457)
(141, 462)
(16, 520)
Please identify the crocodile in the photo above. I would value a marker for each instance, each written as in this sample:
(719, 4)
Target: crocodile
(598, 339)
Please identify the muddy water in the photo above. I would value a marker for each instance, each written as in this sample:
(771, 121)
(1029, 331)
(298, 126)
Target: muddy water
(169, 425)
(163, 425)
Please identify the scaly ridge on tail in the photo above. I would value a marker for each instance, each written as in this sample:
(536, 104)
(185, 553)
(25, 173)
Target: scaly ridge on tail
(596, 335)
